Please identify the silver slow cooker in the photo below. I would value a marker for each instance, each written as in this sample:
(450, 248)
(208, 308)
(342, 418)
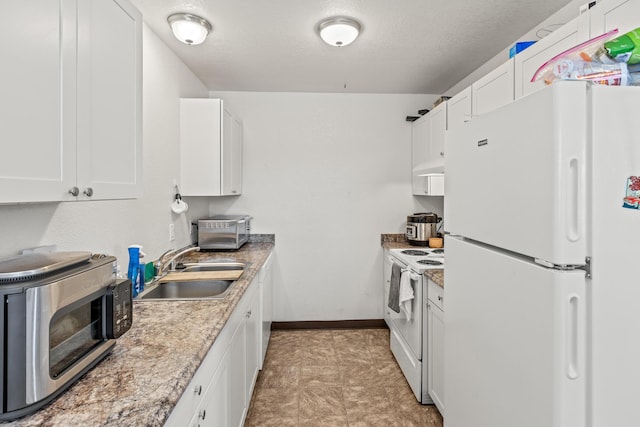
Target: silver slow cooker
(420, 227)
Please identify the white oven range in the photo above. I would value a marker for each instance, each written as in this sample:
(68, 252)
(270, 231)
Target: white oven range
(407, 331)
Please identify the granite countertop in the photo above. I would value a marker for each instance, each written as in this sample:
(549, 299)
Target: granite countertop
(399, 241)
(141, 381)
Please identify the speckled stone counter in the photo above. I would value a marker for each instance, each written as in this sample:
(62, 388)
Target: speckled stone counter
(395, 241)
(399, 241)
(141, 381)
(437, 276)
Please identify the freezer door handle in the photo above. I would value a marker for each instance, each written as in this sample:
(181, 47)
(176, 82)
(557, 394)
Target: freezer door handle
(573, 329)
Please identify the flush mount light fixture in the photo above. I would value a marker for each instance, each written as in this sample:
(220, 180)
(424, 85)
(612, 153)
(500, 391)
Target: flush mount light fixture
(339, 31)
(189, 29)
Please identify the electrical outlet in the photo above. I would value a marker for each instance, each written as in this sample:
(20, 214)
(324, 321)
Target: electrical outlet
(172, 232)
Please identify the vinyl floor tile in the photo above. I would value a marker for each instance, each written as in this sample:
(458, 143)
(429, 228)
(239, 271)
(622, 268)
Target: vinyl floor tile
(335, 378)
(330, 421)
(321, 376)
(318, 402)
(278, 376)
(320, 355)
(361, 401)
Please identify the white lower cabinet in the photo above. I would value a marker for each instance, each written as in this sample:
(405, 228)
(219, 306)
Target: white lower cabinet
(387, 265)
(266, 305)
(435, 352)
(213, 408)
(253, 346)
(220, 390)
(238, 373)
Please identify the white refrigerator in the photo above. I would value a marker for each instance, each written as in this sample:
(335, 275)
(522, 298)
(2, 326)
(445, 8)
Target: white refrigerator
(542, 322)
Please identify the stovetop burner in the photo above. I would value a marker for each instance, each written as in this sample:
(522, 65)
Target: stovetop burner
(429, 262)
(437, 251)
(414, 252)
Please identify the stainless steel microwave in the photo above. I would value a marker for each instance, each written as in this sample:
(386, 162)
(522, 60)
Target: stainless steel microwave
(61, 314)
(223, 231)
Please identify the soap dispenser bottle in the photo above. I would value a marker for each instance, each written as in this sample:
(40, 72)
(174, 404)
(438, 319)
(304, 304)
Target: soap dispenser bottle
(133, 273)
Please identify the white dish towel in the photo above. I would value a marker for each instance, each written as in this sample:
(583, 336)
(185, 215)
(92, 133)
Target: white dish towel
(406, 293)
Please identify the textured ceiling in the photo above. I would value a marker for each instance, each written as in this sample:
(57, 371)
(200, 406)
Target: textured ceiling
(406, 46)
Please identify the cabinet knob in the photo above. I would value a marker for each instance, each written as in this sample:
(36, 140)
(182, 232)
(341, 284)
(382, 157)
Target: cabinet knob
(88, 192)
(198, 390)
(234, 191)
(74, 191)
(442, 154)
(439, 298)
(202, 414)
(248, 314)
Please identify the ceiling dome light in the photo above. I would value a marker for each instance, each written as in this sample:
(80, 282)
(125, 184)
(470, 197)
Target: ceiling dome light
(339, 31)
(189, 29)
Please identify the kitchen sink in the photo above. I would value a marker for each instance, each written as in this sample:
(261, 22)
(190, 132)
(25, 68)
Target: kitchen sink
(212, 266)
(188, 290)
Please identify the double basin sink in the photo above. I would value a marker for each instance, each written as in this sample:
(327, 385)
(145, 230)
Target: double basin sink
(187, 284)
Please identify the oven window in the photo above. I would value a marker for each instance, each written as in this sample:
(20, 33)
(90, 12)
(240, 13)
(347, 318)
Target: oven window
(72, 334)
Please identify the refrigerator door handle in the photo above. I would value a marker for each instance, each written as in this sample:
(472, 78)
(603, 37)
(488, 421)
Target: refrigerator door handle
(573, 200)
(573, 336)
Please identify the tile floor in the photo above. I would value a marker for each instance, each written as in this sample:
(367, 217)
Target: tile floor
(342, 377)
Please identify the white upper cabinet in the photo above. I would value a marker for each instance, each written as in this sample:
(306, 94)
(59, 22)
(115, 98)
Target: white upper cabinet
(494, 89)
(210, 148)
(427, 150)
(528, 61)
(71, 102)
(109, 99)
(459, 109)
(611, 14)
(36, 75)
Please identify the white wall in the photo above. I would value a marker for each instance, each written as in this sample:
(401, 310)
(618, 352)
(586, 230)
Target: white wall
(110, 226)
(327, 173)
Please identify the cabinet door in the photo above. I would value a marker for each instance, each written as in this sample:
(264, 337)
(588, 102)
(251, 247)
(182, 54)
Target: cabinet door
(266, 294)
(231, 154)
(236, 171)
(427, 141)
(253, 343)
(214, 409)
(435, 355)
(37, 82)
(109, 99)
(493, 90)
(387, 264)
(435, 142)
(237, 372)
(419, 136)
(610, 14)
(527, 62)
(200, 146)
(459, 109)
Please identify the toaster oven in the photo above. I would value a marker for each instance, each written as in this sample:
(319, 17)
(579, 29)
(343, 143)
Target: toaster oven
(60, 315)
(223, 231)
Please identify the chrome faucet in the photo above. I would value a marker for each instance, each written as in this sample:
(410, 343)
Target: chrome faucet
(161, 265)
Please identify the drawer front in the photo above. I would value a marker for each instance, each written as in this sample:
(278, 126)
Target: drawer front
(435, 294)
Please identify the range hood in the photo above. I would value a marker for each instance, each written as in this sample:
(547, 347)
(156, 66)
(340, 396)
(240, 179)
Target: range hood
(428, 169)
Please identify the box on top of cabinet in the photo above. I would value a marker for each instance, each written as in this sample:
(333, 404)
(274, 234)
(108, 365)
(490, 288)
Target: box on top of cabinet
(519, 47)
